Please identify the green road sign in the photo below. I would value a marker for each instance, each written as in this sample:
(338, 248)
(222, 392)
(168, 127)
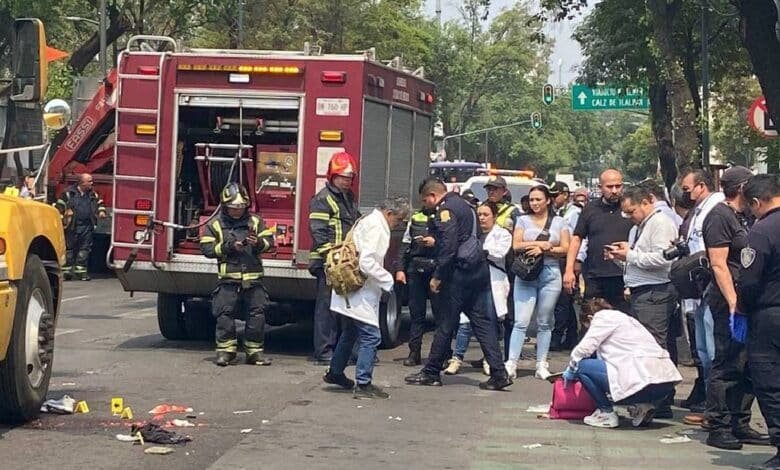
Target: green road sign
(608, 98)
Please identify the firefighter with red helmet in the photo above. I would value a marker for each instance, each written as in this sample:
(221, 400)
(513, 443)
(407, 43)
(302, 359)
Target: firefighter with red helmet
(332, 213)
(236, 238)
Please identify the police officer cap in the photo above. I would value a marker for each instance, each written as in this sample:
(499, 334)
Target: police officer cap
(735, 175)
(559, 187)
(496, 181)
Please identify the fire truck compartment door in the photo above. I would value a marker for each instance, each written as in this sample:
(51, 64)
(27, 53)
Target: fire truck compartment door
(235, 102)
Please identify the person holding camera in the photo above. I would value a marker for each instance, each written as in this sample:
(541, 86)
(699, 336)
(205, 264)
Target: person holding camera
(729, 391)
(236, 239)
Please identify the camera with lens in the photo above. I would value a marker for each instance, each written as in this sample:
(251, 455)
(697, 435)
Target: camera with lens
(678, 249)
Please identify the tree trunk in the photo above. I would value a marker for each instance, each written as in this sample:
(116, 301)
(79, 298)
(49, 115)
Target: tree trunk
(117, 26)
(661, 123)
(680, 99)
(760, 39)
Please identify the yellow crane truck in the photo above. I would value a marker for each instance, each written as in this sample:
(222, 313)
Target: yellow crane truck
(32, 244)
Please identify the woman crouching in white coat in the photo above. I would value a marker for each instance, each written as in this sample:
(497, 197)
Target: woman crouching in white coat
(360, 310)
(496, 242)
(630, 367)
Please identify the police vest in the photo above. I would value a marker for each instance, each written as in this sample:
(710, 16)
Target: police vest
(504, 216)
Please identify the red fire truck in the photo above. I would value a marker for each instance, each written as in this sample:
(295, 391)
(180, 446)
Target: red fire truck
(187, 121)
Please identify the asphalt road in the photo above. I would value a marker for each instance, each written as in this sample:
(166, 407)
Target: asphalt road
(108, 346)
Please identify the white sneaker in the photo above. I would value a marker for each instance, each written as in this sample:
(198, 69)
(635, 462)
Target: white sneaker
(600, 419)
(642, 414)
(453, 367)
(485, 367)
(542, 370)
(511, 369)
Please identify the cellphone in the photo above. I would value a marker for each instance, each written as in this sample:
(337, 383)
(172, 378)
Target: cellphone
(418, 237)
(610, 247)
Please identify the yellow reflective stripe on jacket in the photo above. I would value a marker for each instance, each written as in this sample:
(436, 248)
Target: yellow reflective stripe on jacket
(218, 243)
(207, 239)
(237, 276)
(319, 216)
(336, 219)
(419, 218)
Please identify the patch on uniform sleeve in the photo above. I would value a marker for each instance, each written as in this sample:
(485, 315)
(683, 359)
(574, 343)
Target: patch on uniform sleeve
(444, 215)
(747, 256)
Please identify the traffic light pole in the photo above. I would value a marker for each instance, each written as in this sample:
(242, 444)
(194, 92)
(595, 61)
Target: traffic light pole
(486, 130)
(705, 85)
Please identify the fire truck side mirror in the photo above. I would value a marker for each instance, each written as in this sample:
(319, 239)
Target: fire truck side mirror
(29, 63)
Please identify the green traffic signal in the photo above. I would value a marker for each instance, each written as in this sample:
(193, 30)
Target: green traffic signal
(548, 94)
(536, 120)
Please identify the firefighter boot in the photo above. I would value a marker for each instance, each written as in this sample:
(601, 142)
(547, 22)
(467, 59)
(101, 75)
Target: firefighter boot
(257, 359)
(224, 358)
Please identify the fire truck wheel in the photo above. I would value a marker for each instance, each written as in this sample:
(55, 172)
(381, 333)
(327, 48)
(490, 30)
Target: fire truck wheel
(170, 316)
(390, 322)
(26, 370)
(198, 321)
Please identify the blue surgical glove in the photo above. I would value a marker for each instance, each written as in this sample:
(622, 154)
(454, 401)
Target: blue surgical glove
(569, 375)
(738, 324)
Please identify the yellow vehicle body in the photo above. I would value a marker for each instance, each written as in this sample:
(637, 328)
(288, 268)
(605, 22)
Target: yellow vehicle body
(26, 228)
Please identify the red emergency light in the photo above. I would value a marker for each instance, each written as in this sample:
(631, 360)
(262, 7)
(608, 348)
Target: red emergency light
(330, 76)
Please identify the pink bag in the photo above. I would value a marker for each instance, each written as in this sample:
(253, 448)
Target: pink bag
(573, 402)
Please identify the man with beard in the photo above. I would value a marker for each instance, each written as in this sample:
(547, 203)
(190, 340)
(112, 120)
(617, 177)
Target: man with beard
(602, 223)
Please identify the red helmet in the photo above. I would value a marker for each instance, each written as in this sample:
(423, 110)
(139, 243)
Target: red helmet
(341, 164)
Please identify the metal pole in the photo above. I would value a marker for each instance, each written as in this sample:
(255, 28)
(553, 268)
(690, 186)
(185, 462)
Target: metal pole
(486, 146)
(705, 84)
(240, 24)
(102, 33)
(438, 13)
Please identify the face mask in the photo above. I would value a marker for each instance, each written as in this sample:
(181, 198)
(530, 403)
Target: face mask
(687, 201)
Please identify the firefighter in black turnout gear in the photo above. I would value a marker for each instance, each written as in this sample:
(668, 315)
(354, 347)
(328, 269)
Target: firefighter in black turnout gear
(236, 239)
(415, 266)
(81, 207)
(332, 213)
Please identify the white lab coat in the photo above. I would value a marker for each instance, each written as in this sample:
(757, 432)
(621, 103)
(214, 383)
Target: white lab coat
(372, 239)
(634, 359)
(497, 243)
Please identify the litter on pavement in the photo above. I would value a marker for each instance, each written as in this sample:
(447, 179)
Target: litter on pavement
(182, 423)
(538, 408)
(126, 438)
(243, 412)
(532, 446)
(675, 440)
(246, 431)
(158, 450)
(152, 432)
(63, 406)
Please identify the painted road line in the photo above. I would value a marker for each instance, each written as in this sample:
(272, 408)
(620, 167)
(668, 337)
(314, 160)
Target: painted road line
(75, 298)
(67, 331)
(140, 313)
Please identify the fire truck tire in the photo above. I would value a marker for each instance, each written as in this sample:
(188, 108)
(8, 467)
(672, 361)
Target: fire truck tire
(198, 321)
(26, 370)
(390, 322)
(170, 316)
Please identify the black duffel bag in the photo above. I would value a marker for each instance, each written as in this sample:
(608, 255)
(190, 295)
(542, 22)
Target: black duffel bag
(690, 275)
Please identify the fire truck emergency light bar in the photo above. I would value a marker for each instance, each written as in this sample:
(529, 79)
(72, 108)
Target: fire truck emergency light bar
(269, 69)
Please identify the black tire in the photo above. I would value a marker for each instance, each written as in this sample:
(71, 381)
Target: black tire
(170, 317)
(390, 322)
(198, 321)
(20, 398)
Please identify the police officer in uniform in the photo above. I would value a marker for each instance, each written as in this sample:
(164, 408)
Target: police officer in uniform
(81, 207)
(462, 279)
(759, 289)
(236, 239)
(332, 213)
(414, 268)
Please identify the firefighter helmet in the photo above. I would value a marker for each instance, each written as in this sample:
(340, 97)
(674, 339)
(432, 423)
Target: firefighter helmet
(235, 196)
(341, 164)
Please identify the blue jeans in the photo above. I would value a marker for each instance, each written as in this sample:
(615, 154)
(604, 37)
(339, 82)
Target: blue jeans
(462, 340)
(541, 295)
(367, 337)
(704, 330)
(593, 375)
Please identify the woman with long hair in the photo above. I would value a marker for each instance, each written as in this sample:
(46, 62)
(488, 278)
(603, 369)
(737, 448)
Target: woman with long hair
(539, 294)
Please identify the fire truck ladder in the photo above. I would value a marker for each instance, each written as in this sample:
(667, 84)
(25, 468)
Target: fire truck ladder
(147, 241)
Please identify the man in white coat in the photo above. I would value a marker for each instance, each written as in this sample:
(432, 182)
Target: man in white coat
(360, 310)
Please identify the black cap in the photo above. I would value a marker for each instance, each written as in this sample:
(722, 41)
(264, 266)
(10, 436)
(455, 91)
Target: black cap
(496, 181)
(559, 187)
(735, 176)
